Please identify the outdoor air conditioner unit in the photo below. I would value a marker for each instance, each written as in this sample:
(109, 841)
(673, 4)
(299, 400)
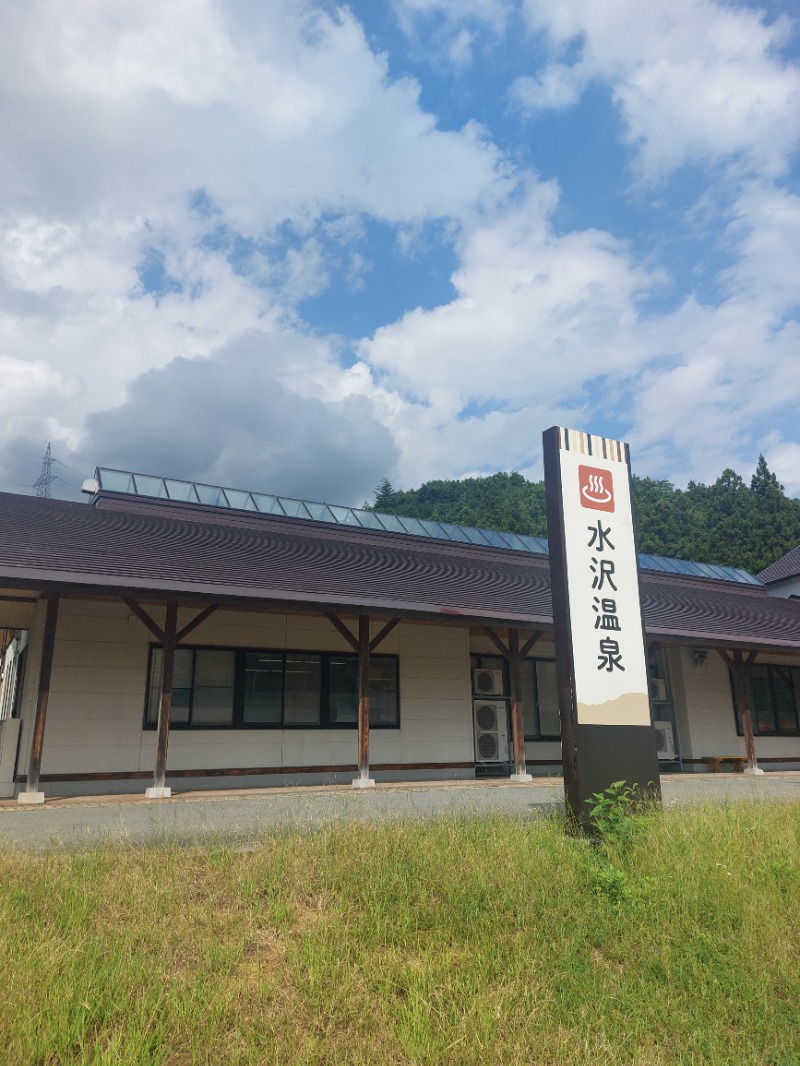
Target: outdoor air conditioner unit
(488, 682)
(491, 731)
(665, 741)
(658, 689)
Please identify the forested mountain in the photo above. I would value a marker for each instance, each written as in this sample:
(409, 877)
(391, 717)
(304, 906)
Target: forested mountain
(728, 522)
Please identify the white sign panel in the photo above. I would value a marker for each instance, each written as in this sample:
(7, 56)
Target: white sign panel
(603, 583)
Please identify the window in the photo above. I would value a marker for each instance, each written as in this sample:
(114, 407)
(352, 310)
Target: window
(775, 697)
(215, 688)
(539, 693)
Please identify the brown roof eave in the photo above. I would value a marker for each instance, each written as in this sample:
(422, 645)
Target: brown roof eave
(94, 586)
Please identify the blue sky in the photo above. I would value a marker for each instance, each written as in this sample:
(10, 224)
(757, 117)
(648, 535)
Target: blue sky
(300, 246)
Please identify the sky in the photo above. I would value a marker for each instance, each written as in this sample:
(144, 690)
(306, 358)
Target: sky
(297, 247)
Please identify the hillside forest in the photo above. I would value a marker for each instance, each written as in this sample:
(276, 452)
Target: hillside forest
(728, 522)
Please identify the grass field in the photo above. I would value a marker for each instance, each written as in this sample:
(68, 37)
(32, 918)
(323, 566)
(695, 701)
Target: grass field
(485, 941)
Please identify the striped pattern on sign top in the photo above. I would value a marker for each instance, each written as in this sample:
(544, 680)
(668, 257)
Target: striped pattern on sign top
(575, 440)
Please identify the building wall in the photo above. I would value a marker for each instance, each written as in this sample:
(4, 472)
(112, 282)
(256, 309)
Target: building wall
(544, 755)
(706, 720)
(97, 696)
(786, 589)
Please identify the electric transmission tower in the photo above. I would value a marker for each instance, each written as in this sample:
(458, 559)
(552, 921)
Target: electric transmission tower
(45, 479)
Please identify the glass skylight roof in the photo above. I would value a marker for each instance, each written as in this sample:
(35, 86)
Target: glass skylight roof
(240, 500)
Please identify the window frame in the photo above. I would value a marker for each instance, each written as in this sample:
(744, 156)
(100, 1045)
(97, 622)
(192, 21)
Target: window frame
(771, 668)
(237, 716)
(494, 661)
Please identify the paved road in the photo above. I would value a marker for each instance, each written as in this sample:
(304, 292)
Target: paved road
(245, 814)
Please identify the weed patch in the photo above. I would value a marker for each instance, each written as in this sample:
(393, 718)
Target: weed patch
(670, 939)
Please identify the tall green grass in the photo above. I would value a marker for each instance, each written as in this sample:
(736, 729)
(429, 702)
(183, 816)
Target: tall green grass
(470, 941)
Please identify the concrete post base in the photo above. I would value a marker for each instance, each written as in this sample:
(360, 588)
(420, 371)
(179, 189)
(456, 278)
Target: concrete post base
(754, 771)
(521, 777)
(364, 782)
(30, 799)
(158, 793)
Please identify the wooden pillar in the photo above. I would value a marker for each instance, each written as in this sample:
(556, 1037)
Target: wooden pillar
(745, 714)
(738, 670)
(159, 789)
(517, 722)
(363, 780)
(32, 793)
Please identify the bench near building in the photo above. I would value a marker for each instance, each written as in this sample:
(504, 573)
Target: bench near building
(311, 644)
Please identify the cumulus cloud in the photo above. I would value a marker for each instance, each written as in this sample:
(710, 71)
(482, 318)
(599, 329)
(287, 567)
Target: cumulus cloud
(180, 181)
(229, 420)
(694, 81)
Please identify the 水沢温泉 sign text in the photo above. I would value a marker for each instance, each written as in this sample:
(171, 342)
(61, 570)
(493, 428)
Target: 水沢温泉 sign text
(600, 652)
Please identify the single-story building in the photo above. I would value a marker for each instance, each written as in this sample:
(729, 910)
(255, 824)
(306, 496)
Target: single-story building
(309, 643)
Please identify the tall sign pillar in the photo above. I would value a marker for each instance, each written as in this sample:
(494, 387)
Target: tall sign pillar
(606, 729)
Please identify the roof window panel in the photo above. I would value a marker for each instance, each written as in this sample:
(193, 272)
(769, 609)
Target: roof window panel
(115, 480)
(181, 490)
(211, 495)
(147, 485)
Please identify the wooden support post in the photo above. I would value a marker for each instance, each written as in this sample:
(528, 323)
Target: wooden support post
(745, 714)
(737, 667)
(517, 723)
(363, 780)
(159, 788)
(32, 794)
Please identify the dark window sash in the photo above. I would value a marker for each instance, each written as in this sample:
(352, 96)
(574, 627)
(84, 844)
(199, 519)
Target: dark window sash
(326, 719)
(774, 695)
(492, 661)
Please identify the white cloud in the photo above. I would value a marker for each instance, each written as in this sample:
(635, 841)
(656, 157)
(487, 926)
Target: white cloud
(783, 457)
(277, 109)
(558, 86)
(694, 81)
(116, 115)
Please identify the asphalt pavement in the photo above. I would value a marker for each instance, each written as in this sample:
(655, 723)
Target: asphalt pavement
(243, 815)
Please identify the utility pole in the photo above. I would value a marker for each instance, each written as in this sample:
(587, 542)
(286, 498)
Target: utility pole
(45, 479)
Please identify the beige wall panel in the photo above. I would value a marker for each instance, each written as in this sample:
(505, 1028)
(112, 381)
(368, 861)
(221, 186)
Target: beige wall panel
(88, 656)
(452, 751)
(188, 755)
(213, 632)
(103, 630)
(99, 609)
(542, 749)
(67, 733)
(99, 679)
(423, 631)
(68, 680)
(302, 623)
(435, 647)
(424, 710)
(303, 748)
(436, 729)
(298, 640)
(482, 645)
(16, 615)
(87, 759)
(88, 706)
(422, 666)
(434, 688)
(709, 702)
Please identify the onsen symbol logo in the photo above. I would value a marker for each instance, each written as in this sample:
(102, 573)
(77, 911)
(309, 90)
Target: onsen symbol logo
(596, 488)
